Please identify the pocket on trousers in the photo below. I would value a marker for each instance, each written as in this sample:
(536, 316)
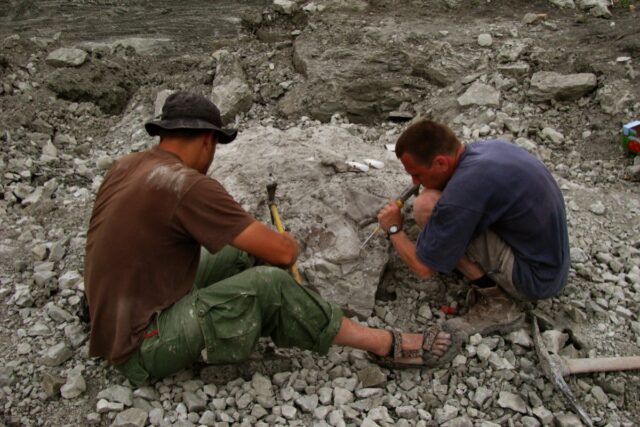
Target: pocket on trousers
(230, 325)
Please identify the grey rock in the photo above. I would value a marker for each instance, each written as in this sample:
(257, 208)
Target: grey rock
(262, 385)
(485, 40)
(568, 420)
(511, 50)
(132, 417)
(544, 415)
(22, 296)
(600, 395)
(51, 383)
(380, 414)
(516, 69)
(157, 414)
(342, 396)
(287, 7)
(521, 337)
(409, 412)
(552, 135)
(325, 395)
(244, 401)
(161, 97)
(7, 376)
(598, 8)
(546, 85)
(230, 92)
(69, 279)
(56, 355)
(480, 94)
(107, 87)
(481, 395)
(289, 412)
(530, 422)
(598, 208)
(307, 403)
(332, 261)
(512, 401)
(56, 313)
(141, 45)
(104, 406)
(67, 57)
(75, 335)
(208, 418)
(193, 401)
(75, 384)
(563, 3)
(554, 340)
(458, 422)
(366, 73)
(146, 392)
(446, 413)
(372, 376)
(615, 97)
(117, 393)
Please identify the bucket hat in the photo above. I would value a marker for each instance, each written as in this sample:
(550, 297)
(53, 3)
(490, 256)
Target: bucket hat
(186, 110)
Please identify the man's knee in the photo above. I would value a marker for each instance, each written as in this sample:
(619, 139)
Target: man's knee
(423, 206)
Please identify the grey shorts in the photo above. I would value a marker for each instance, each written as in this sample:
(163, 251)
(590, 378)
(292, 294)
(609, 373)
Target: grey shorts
(496, 258)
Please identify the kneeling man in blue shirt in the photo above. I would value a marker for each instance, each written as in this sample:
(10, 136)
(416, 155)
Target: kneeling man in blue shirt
(489, 209)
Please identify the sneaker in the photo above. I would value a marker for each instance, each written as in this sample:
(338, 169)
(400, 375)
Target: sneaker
(489, 310)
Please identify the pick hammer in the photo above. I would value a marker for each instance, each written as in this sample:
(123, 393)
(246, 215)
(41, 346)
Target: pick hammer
(400, 201)
(275, 219)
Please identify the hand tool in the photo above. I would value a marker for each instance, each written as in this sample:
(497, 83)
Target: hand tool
(400, 201)
(275, 219)
(557, 367)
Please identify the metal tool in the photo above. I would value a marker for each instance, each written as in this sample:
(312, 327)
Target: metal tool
(557, 367)
(275, 219)
(400, 201)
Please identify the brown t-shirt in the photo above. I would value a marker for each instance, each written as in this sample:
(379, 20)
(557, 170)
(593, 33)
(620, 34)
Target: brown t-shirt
(151, 216)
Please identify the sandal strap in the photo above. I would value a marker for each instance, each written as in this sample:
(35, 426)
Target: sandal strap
(396, 344)
(429, 338)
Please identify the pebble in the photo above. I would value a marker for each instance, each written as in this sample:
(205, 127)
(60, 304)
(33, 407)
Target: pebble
(512, 401)
(485, 40)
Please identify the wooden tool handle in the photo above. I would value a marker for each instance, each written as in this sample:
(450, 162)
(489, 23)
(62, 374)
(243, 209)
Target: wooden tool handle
(276, 220)
(602, 364)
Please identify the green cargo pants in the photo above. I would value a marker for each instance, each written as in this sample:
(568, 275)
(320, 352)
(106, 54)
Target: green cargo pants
(229, 308)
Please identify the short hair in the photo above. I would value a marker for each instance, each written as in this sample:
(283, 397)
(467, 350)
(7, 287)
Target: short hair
(183, 133)
(426, 139)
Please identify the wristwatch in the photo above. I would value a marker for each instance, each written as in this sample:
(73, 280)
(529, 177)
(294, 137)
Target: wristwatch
(393, 230)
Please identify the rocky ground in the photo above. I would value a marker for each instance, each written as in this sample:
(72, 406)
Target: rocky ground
(318, 90)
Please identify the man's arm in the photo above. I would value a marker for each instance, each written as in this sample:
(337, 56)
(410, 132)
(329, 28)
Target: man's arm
(392, 215)
(275, 248)
(407, 251)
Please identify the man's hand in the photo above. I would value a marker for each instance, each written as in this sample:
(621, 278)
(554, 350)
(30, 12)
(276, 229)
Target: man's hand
(257, 239)
(389, 215)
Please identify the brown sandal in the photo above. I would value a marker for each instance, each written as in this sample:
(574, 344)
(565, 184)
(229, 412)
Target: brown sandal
(428, 359)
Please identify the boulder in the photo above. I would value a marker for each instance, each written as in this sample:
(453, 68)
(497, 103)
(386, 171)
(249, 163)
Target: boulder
(141, 45)
(548, 85)
(67, 57)
(323, 203)
(107, 85)
(231, 92)
(362, 76)
(479, 94)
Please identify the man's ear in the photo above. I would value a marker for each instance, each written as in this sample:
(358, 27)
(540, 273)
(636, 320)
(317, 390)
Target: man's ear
(440, 162)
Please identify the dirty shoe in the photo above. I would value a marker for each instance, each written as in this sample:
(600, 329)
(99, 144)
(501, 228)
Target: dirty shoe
(489, 310)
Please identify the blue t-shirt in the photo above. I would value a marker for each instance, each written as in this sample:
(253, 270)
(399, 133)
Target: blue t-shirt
(500, 186)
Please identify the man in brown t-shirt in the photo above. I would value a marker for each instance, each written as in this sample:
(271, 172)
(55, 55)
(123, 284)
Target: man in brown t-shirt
(168, 272)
